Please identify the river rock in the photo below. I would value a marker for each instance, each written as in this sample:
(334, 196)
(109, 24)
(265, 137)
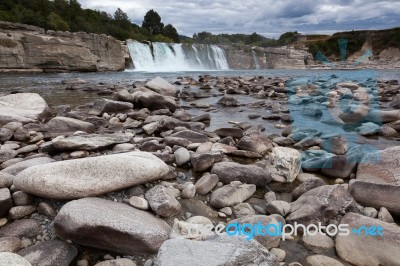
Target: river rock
(21, 211)
(52, 252)
(229, 101)
(362, 249)
(255, 141)
(201, 162)
(20, 166)
(139, 203)
(318, 260)
(318, 243)
(23, 107)
(6, 201)
(162, 87)
(231, 171)
(206, 183)
(368, 129)
(278, 207)
(90, 176)
(182, 156)
(66, 126)
(5, 134)
(192, 136)
(229, 132)
(11, 259)
(322, 204)
(306, 186)
(110, 226)
(284, 164)
(21, 228)
(124, 96)
(117, 262)
(161, 202)
(337, 145)
(339, 166)
(101, 106)
(10, 244)
(91, 141)
(153, 100)
(231, 194)
(6, 155)
(217, 250)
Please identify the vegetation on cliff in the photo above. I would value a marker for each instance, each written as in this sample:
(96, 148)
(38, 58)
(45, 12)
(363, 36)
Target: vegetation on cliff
(68, 15)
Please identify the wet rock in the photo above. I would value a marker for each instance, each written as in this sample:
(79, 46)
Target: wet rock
(91, 176)
(229, 101)
(10, 244)
(154, 101)
(217, 250)
(339, 166)
(229, 132)
(91, 222)
(91, 142)
(21, 228)
(102, 106)
(53, 252)
(322, 204)
(192, 136)
(366, 251)
(354, 113)
(231, 194)
(368, 129)
(162, 87)
(20, 166)
(251, 174)
(60, 125)
(11, 259)
(268, 240)
(284, 164)
(206, 183)
(23, 107)
(312, 111)
(161, 202)
(337, 145)
(6, 202)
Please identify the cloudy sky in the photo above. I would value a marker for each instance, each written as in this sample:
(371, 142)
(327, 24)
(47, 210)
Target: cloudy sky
(267, 17)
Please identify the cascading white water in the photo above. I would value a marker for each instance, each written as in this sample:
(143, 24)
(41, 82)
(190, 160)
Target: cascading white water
(255, 59)
(160, 57)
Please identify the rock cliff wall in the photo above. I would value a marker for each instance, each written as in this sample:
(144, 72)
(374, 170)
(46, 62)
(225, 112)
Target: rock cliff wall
(29, 48)
(247, 57)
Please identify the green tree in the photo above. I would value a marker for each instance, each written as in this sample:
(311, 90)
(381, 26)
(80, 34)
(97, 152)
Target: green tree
(152, 23)
(57, 23)
(171, 32)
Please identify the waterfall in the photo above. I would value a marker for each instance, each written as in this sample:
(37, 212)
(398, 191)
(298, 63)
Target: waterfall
(255, 59)
(160, 57)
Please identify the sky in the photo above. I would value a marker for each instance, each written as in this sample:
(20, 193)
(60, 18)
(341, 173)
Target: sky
(266, 17)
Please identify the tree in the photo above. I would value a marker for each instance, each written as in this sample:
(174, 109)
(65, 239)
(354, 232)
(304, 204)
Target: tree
(122, 20)
(57, 23)
(171, 32)
(152, 23)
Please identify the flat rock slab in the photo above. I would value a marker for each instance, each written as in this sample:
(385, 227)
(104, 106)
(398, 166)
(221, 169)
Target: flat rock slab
(366, 249)
(23, 107)
(219, 250)
(250, 174)
(90, 176)
(111, 226)
(91, 142)
(53, 252)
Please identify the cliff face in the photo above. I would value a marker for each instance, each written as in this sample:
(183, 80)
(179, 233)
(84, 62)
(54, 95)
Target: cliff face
(24, 47)
(247, 57)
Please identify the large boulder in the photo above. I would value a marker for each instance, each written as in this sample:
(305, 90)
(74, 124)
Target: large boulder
(53, 252)
(110, 226)
(250, 174)
(91, 141)
(162, 87)
(90, 176)
(20, 166)
(217, 250)
(284, 164)
(358, 248)
(66, 126)
(322, 204)
(23, 107)
(153, 100)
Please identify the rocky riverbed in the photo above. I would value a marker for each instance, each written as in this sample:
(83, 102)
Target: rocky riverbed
(120, 179)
